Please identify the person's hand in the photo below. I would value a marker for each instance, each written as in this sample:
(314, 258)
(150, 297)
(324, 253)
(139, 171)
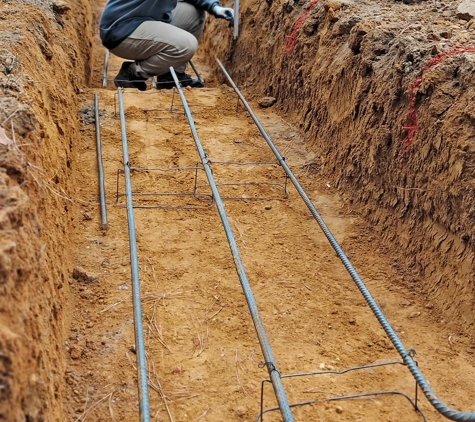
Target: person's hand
(223, 13)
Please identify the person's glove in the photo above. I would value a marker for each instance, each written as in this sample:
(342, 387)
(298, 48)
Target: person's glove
(223, 13)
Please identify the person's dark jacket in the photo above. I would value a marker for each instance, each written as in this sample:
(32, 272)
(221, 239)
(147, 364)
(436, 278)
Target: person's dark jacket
(121, 17)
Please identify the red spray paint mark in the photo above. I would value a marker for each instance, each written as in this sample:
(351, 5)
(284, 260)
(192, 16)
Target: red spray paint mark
(291, 38)
(411, 126)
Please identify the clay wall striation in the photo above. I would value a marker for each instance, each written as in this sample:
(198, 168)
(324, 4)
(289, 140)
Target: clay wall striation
(347, 78)
(43, 61)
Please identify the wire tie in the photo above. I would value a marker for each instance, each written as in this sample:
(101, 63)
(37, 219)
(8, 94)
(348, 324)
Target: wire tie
(270, 366)
(411, 353)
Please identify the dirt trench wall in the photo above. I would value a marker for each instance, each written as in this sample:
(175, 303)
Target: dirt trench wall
(44, 59)
(347, 84)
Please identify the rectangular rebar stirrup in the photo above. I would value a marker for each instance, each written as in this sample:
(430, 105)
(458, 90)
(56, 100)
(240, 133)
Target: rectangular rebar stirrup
(253, 163)
(192, 193)
(258, 323)
(260, 417)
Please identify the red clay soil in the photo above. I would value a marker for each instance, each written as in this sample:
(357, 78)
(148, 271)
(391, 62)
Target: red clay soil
(347, 83)
(343, 93)
(43, 65)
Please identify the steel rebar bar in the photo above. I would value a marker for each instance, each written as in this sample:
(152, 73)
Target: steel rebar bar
(144, 407)
(102, 189)
(236, 20)
(258, 323)
(442, 408)
(106, 69)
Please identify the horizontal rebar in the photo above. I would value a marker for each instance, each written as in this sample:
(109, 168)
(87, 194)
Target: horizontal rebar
(144, 408)
(391, 333)
(258, 324)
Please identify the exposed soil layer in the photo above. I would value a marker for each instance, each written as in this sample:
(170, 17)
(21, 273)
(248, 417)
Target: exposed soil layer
(202, 350)
(347, 82)
(44, 60)
(400, 206)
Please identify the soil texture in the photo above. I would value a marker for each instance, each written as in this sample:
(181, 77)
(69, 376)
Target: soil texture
(334, 90)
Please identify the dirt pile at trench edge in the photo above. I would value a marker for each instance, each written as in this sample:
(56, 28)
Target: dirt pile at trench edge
(43, 61)
(344, 74)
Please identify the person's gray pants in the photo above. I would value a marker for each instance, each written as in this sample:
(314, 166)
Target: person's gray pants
(155, 46)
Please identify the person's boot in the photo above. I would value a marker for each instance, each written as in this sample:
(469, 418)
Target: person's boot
(166, 81)
(126, 78)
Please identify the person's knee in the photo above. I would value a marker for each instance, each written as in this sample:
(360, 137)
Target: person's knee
(188, 47)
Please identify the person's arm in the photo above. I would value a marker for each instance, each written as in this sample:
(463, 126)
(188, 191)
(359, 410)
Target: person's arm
(215, 8)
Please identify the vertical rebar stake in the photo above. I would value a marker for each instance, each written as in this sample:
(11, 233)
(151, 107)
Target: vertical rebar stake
(236, 19)
(106, 69)
(102, 189)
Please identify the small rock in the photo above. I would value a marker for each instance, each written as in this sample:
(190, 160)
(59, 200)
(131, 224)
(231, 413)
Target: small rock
(240, 411)
(322, 365)
(344, 26)
(86, 294)
(75, 352)
(267, 207)
(357, 34)
(414, 314)
(335, 5)
(466, 10)
(59, 6)
(267, 102)
(80, 274)
(339, 409)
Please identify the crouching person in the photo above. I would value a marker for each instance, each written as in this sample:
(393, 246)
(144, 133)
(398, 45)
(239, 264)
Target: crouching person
(155, 35)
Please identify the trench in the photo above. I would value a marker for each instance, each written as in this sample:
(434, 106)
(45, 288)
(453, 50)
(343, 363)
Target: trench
(67, 328)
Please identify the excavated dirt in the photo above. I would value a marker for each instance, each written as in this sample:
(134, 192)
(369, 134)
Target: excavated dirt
(43, 63)
(347, 83)
(401, 209)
